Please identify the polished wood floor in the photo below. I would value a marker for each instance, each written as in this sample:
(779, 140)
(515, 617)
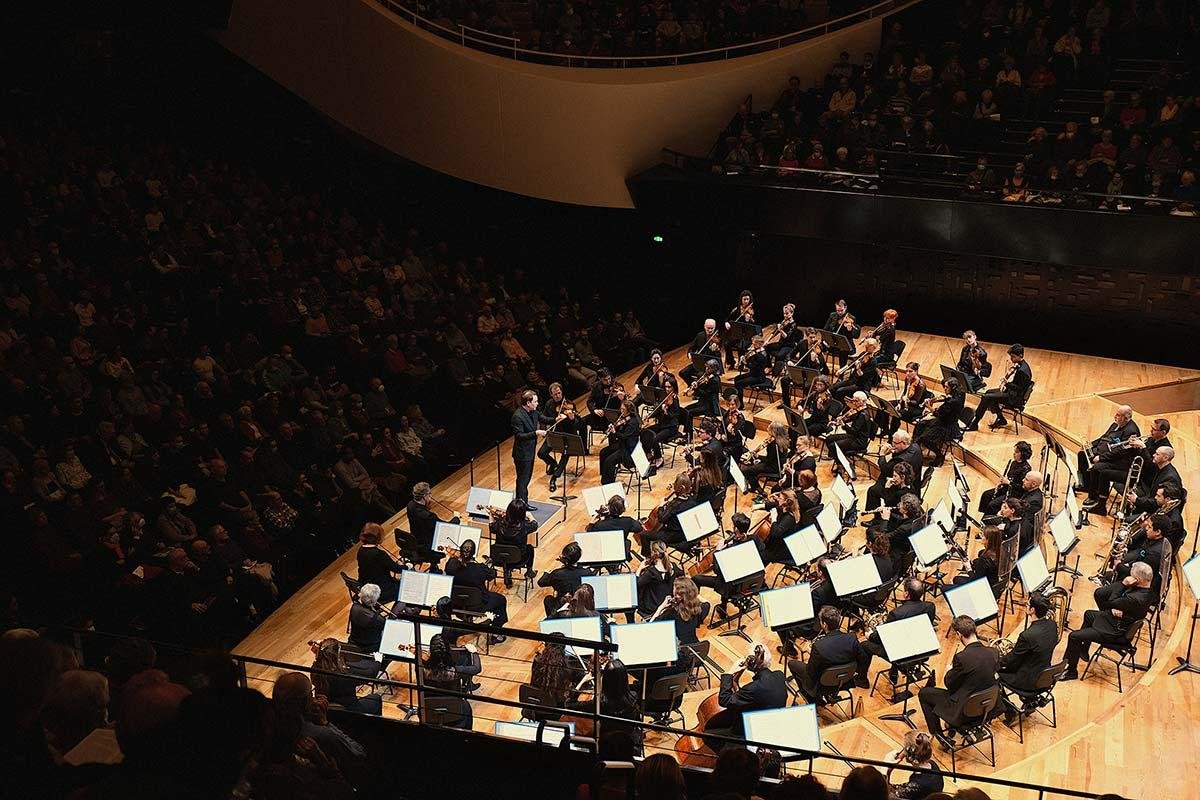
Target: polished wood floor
(1131, 743)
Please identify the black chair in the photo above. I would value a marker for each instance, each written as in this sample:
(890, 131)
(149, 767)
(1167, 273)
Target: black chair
(834, 687)
(1125, 652)
(1018, 408)
(534, 696)
(975, 727)
(667, 693)
(1034, 700)
(874, 601)
(408, 549)
(448, 712)
(702, 664)
(352, 587)
(505, 557)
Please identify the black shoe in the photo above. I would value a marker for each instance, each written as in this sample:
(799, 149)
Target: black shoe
(944, 742)
(473, 686)
(1069, 675)
(549, 469)
(497, 638)
(861, 682)
(900, 697)
(1000, 422)
(553, 485)
(530, 574)
(1010, 718)
(508, 580)
(974, 426)
(531, 507)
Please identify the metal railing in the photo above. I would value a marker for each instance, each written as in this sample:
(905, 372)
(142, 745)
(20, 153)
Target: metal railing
(509, 47)
(826, 764)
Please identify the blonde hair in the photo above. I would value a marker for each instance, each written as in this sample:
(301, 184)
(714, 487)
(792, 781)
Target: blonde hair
(687, 598)
(779, 432)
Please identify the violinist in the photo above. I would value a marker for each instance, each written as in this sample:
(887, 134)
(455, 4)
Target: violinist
(663, 425)
(366, 620)
(376, 565)
(940, 425)
(739, 534)
(861, 374)
(742, 312)
(710, 480)
(857, 425)
(786, 336)
(513, 528)
(810, 354)
(737, 426)
(1010, 392)
(766, 689)
(612, 517)
(655, 579)
(1010, 483)
(885, 333)
(564, 580)
(707, 390)
(706, 439)
(901, 450)
(973, 362)
(911, 405)
(622, 439)
(707, 343)
(820, 407)
(558, 416)
(770, 457)
(843, 322)
(601, 398)
(837, 318)
(669, 529)
(787, 522)
(470, 573)
(756, 362)
(801, 479)
(655, 375)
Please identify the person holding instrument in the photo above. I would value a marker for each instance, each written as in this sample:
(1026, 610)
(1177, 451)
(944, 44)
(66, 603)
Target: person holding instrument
(524, 424)
(829, 648)
(911, 405)
(1010, 392)
(974, 670)
(986, 563)
(558, 416)
(739, 534)
(808, 354)
(1112, 451)
(513, 528)
(1010, 483)
(602, 397)
(787, 522)
(973, 362)
(1031, 654)
(857, 425)
(366, 620)
(917, 752)
(707, 343)
(422, 523)
(900, 451)
(820, 407)
(663, 425)
(622, 439)
(376, 565)
(742, 312)
(860, 374)
(612, 517)
(914, 605)
(668, 529)
(736, 427)
(655, 579)
(756, 363)
(885, 332)
(707, 390)
(769, 458)
(1107, 477)
(564, 580)
(766, 689)
(338, 680)
(841, 321)
(682, 605)
(442, 669)
(786, 336)
(939, 426)
(655, 375)
(898, 484)
(469, 573)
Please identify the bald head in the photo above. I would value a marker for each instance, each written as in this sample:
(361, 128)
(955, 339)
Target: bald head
(1033, 479)
(1123, 414)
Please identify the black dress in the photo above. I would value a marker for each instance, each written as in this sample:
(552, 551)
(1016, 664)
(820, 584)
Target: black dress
(376, 565)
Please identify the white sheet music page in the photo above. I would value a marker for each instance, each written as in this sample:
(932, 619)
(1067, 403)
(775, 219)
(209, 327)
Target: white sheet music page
(596, 496)
(645, 643)
(929, 543)
(806, 545)
(614, 591)
(829, 520)
(786, 605)
(1062, 528)
(601, 547)
(973, 599)
(908, 638)
(586, 628)
(791, 731)
(698, 521)
(1032, 569)
(854, 575)
(740, 561)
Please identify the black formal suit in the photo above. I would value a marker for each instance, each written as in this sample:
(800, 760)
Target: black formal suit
(873, 645)
(829, 650)
(975, 379)
(1030, 655)
(910, 455)
(1145, 500)
(974, 669)
(855, 439)
(992, 399)
(366, 629)
(991, 500)
(768, 689)
(1093, 472)
(422, 524)
(524, 426)
(472, 574)
(1033, 500)
(563, 580)
(1101, 625)
(1149, 471)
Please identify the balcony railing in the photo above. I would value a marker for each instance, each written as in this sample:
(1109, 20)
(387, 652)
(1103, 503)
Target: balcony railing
(509, 47)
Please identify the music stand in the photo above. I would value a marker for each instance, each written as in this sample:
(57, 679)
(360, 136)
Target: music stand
(700, 359)
(742, 568)
(795, 422)
(743, 331)
(568, 445)
(1062, 530)
(839, 346)
(802, 377)
(602, 550)
(1191, 571)
(653, 395)
(908, 644)
(622, 586)
(976, 600)
(958, 375)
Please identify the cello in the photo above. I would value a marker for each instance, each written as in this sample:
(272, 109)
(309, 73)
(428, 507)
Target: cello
(693, 751)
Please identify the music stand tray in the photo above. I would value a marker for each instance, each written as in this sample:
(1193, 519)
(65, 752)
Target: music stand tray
(569, 445)
(836, 342)
(958, 375)
(653, 395)
(743, 331)
(700, 359)
(747, 587)
(795, 421)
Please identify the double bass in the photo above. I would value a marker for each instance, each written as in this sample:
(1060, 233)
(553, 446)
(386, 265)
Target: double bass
(693, 751)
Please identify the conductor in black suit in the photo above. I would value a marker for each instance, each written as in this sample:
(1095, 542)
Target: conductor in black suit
(525, 433)
(974, 670)
(1030, 656)
(767, 689)
(832, 647)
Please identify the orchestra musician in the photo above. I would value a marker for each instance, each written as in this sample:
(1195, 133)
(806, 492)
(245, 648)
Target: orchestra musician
(986, 563)
(564, 580)
(1165, 473)
(823, 592)
(1032, 499)
(558, 417)
(470, 573)
(766, 689)
(337, 679)
(862, 373)
(914, 605)
(422, 523)
(973, 670)
(787, 522)
(885, 333)
(940, 426)
(683, 607)
(742, 312)
(707, 343)
(707, 390)
(810, 354)
(837, 317)
(513, 528)
(1014, 474)
(622, 439)
(911, 404)
(845, 326)
(1030, 656)
(901, 450)
(663, 425)
(973, 362)
(655, 579)
(446, 669)
(1118, 605)
(756, 362)
(602, 398)
(655, 375)
(1108, 476)
(737, 427)
(1146, 544)
(831, 647)
(1170, 520)
(612, 517)
(366, 620)
(1116, 456)
(770, 457)
(706, 439)
(785, 337)
(907, 519)
(376, 565)
(710, 480)
(898, 484)
(669, 529)
(857, 426)
(1010, 392)
(802, 479)
(820, 407)
(740, 533)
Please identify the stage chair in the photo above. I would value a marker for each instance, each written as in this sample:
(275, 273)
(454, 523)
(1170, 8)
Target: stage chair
(1039, 697)
(1125, 652)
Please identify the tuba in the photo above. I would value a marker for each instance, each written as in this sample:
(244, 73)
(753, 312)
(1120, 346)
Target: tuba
(1060, 602)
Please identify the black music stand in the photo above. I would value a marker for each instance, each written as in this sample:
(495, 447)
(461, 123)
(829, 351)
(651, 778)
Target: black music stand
(653, 395)
(743, 331)
(801, 377)
(914, 670)
(700, 359)
(795, 422)
(744, 596)
(839, 346)
(569, 445)
(958, 375)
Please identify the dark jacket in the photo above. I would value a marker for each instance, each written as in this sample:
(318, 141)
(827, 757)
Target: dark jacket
(524, 429)
(1030, 656)
(829, 650)
(564, 579)
(366, 629)
(1133, 603)
(767, 690)
(974, 670)
(421, 523)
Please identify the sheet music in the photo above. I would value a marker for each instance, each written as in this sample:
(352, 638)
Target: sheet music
(528, 731)
(843, 491)
(447, 535)
(640, 462)
(929, 544)
(791, 731)
(698, 521)
(586, 628)
(941, 516)
(644, 643)
(400, 634)
(614, 591)
(424, 589)
(1072, 506)
(841, 459)
(904, 639)
(596, 496)
(1032, 567)
(740, 561)
(483, 496)
(957, 504)
(1191, 571)
(829, 521)
(1062, 528)
(974, 599)
(601, 547)
(735, 473)
(854, 575)
(787, 605)
(806, 545)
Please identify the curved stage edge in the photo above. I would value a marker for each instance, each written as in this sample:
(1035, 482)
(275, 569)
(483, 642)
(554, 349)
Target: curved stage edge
(1105, 741)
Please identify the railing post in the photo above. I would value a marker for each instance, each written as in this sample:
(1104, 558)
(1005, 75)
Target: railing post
(420, 691)
(596, 691)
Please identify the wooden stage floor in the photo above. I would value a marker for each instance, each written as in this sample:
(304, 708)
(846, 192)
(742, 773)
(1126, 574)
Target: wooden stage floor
(1129, 743)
